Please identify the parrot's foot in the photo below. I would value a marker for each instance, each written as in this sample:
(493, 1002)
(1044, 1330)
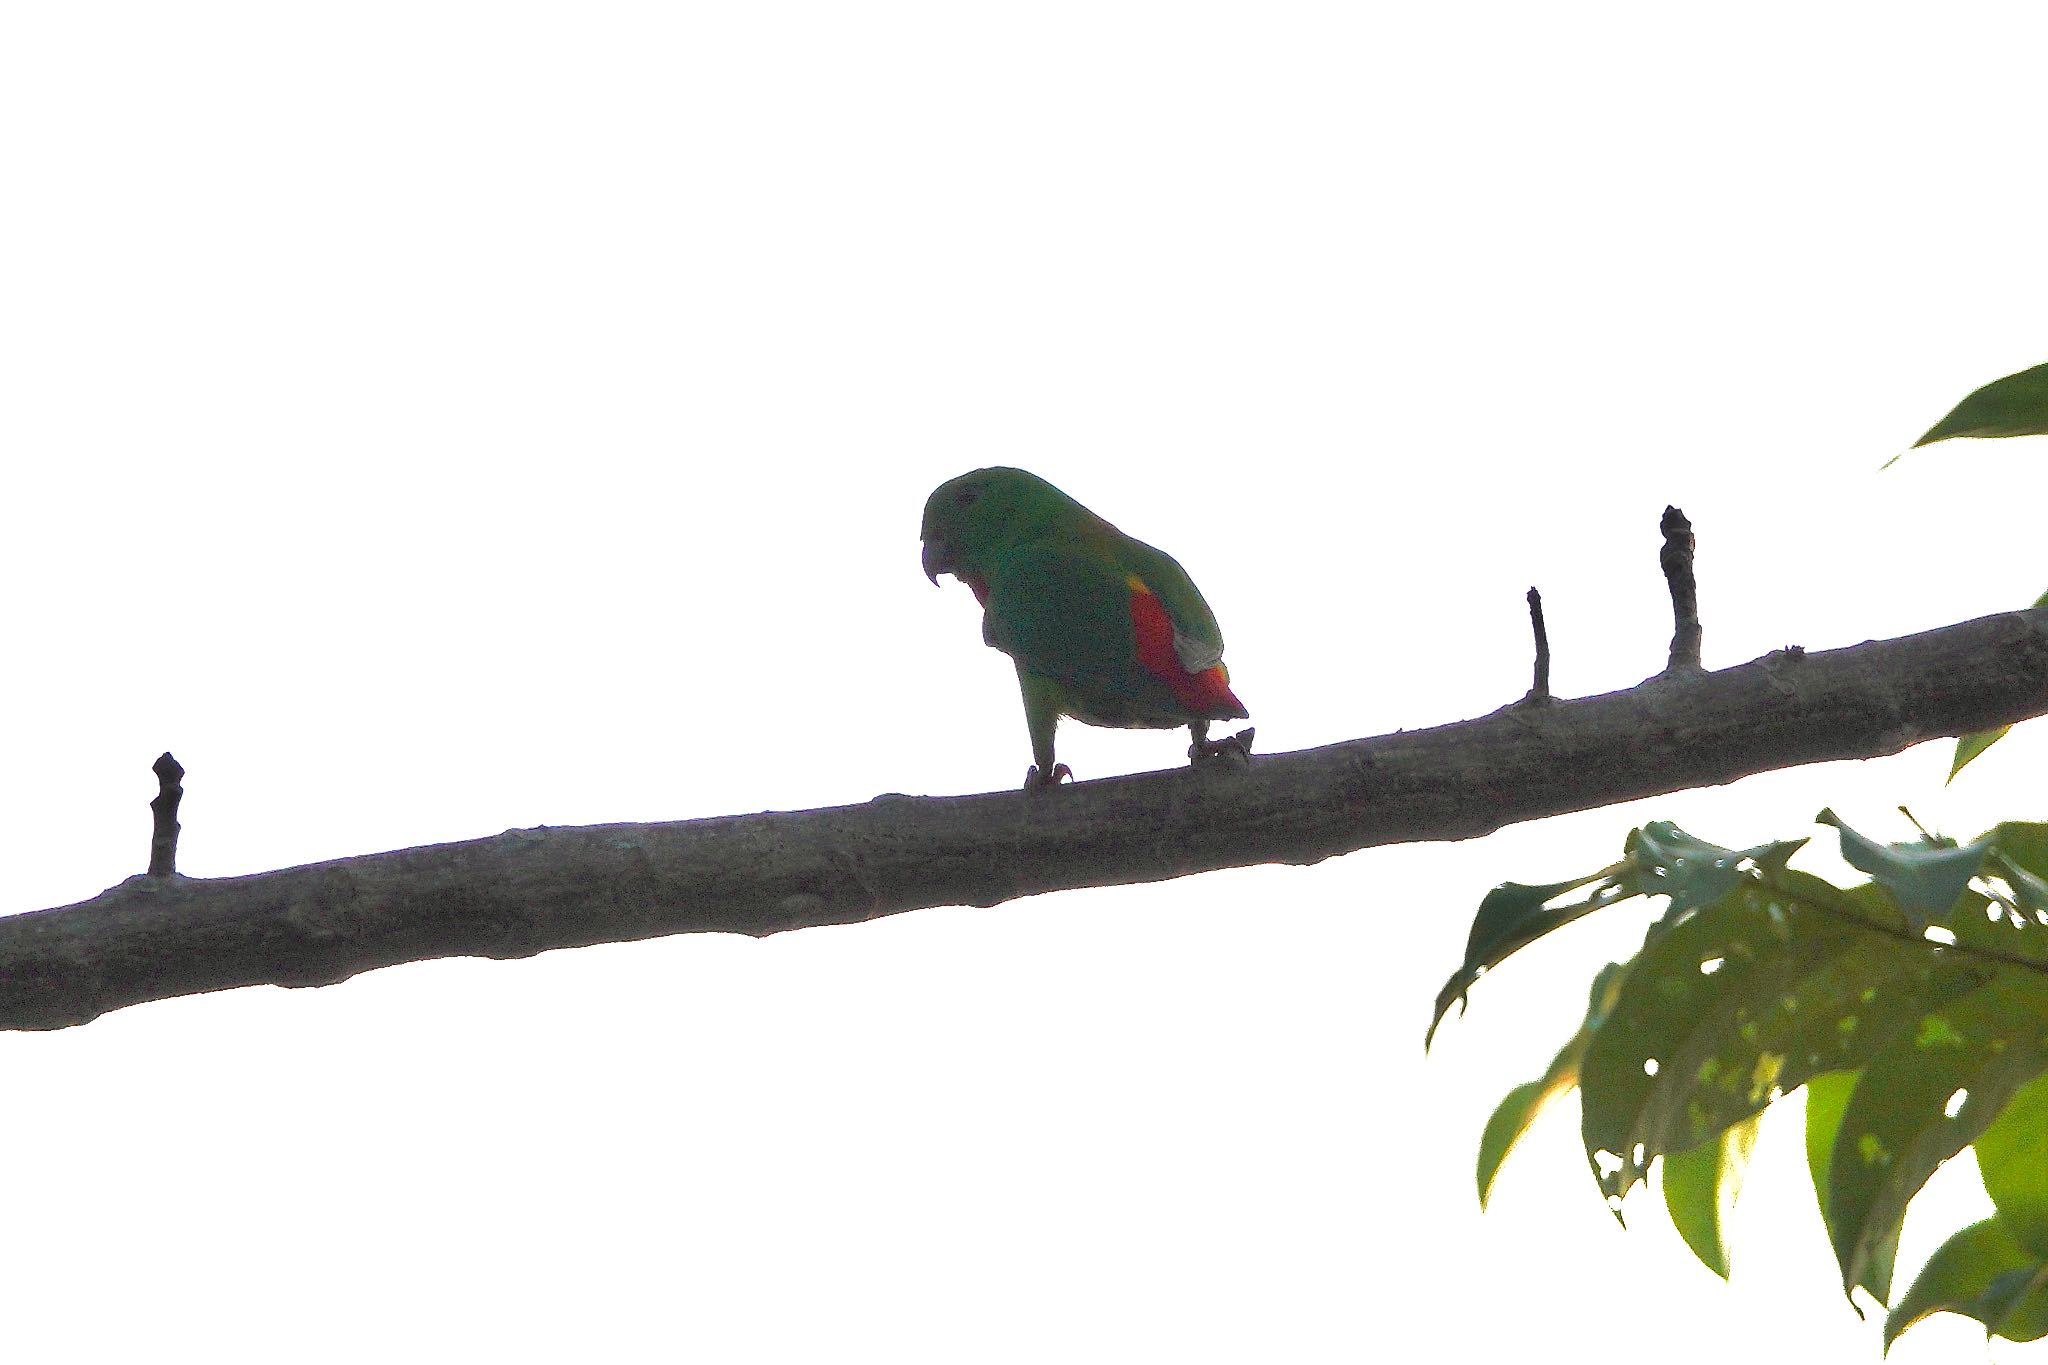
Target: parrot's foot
(1237, 749)
(1035, 782)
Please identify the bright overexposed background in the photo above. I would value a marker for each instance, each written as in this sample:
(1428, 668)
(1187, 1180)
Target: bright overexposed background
(428, 419)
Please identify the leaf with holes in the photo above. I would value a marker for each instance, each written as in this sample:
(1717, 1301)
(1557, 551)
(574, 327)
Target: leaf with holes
(1980, 1272)
(1913, 1008)
(2016, 405)
(1693, 872)
(1863, 988)
(1749, 998)
(2020, 860)
(1995, 933)
(1661, 860)
(1700, 1186)
(1921, 1100)
(2029, 892)
(1521, 1106)
(1691, 986)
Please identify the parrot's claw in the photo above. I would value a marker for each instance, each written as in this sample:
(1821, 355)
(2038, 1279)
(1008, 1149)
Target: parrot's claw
(1237, 749)
(1033, 782)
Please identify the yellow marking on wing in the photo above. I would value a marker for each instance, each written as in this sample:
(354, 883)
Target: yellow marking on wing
(1137, 584)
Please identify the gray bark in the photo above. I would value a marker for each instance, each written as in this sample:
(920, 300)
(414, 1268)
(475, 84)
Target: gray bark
(528, 891)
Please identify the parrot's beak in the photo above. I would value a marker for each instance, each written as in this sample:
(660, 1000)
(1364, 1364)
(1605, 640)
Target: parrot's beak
(938, 559)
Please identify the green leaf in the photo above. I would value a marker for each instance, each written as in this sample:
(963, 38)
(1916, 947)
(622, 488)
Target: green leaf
(1925, 878)
(2028, 890)
(2016, 405)
(1991, 933)
(1749, 998)
(1511, 1118)
(1982, 1273)
(1693, 872)
(1969, 746)
(2023, 841)
(1512, 917)
(1757, 980)
(1827, 1099)
(2020, 860)
(1922, 1099)
(1700, 1187)
(2013, 1157)
(1661, 860)
(1519, 1108)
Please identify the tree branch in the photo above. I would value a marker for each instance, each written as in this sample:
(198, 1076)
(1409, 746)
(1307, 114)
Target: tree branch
(527, 891)
(163, 838)
(1676, 560)
(1539, 688)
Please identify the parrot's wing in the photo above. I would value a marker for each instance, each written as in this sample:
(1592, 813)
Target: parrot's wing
(1091, 622)
(1065, 612)
(1197, 639)
(1178, 638)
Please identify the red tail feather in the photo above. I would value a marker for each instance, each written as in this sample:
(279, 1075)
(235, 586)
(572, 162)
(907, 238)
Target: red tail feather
(1207, 694)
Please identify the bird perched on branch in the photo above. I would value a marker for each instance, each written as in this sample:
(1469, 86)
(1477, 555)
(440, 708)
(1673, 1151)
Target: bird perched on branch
(1102, 627)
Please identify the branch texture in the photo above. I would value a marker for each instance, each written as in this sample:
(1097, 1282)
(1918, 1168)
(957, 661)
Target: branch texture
(528, 891)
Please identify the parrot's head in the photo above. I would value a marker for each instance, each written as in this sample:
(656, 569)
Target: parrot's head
(969, 519)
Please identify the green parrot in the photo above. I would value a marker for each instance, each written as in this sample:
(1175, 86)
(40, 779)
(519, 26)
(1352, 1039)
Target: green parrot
(1102, 627)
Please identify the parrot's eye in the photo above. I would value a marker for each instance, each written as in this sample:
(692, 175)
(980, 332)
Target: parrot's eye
(966, 497)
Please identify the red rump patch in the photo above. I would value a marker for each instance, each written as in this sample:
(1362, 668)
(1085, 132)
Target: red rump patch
(1204, 694)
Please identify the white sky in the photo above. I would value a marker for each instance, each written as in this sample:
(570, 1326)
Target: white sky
(428, 419)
